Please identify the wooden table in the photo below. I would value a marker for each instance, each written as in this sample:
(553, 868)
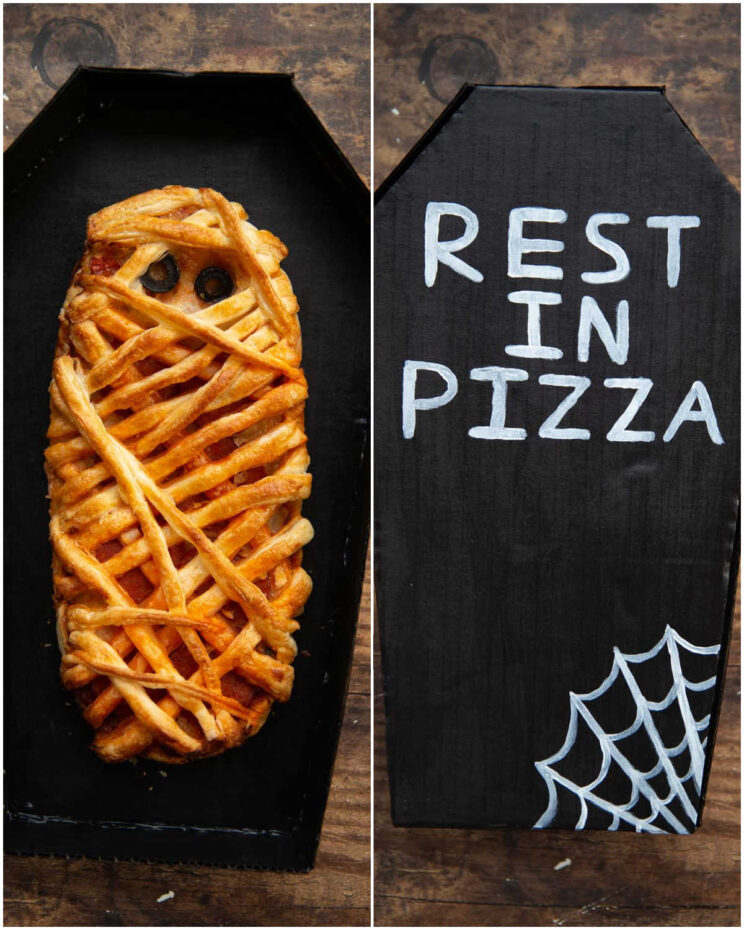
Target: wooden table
(327, 47)
(509, 877)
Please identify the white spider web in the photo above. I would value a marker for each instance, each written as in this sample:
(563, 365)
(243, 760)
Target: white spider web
(647, 808)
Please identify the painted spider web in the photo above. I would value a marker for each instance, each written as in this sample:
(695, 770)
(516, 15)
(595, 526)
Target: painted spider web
(665, 797)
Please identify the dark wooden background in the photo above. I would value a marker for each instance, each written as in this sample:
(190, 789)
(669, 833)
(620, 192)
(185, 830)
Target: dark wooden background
(508, 877)
(424, 53)
(327, 48)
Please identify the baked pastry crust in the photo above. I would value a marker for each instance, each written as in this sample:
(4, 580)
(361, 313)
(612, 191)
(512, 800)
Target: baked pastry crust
(177, 465)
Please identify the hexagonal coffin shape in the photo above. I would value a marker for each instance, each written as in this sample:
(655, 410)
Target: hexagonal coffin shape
(108, 135)
(556, 320)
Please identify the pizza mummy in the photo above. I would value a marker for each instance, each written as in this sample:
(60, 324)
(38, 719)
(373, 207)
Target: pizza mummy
(177, 466)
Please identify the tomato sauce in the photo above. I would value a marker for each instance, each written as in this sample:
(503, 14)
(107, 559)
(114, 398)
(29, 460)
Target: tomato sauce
(105, 265)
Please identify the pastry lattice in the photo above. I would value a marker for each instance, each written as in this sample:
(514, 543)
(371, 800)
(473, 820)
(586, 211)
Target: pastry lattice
(177, 466)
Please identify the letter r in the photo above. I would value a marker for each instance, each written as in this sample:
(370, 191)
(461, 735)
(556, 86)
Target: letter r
(436, 252)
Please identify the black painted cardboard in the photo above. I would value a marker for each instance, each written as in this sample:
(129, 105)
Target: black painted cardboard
(106, 135)
(515, 574)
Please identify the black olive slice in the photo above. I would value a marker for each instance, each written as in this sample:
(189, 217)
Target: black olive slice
(213, 284)
(162, 275)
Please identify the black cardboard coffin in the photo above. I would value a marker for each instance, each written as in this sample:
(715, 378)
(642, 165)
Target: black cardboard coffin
(556, 461)
(107, 135)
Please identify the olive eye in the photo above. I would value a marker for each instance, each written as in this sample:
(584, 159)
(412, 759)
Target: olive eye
(161, 276)
(213, 284)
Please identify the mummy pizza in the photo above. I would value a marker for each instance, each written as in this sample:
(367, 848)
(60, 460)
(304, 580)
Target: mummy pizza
(177, 467)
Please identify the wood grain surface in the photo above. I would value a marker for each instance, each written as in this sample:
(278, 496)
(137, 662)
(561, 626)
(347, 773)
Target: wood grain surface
(425, 52)
(508, 877)
(327, 48)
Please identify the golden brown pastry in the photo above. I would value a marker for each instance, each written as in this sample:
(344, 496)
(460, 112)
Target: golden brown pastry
(177, 466)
